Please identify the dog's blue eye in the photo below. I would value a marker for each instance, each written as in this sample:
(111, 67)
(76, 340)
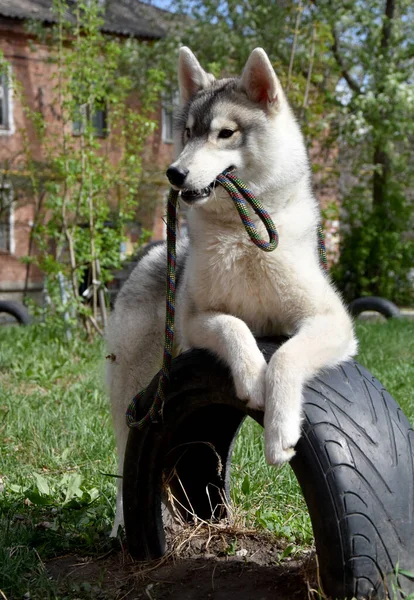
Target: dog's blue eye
(225, 133)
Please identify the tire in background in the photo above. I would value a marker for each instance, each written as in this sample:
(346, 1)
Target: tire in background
(384, 307)
(354, 463)
(17, 310)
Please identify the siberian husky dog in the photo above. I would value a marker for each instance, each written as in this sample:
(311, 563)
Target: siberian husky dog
(231, 291)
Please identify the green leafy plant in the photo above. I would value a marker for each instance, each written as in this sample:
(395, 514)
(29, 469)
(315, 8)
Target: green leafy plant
(83, 169)
(394, 584)
(68, 492)
(231, 548)
(376, 64)
(376, 253)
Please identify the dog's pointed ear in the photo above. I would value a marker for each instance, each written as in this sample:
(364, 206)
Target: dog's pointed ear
(191, 75)
(260, 82)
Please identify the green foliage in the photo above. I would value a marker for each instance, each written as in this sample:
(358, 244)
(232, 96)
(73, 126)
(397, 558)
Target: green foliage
(348, 70)
(84, 167)
(377, 255)
(223, 33)
(374, 53)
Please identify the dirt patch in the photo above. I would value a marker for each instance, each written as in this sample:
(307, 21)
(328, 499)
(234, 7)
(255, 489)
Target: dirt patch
(210, 565)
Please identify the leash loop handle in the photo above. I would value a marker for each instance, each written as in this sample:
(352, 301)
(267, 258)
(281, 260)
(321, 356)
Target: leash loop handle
(239, 193)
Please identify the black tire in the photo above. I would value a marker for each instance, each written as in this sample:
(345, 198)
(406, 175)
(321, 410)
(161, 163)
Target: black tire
(380, 305)
(17, 310)
(354, 463)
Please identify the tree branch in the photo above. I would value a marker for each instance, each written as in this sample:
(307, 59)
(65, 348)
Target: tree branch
(387, 24)
(337, 55)
(295, 39)
(310, 68)
(344, 71)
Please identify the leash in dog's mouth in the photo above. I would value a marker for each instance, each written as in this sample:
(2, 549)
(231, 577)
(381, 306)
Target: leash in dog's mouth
(191, 196)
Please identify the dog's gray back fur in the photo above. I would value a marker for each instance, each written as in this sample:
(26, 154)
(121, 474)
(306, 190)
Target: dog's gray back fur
(151, 268)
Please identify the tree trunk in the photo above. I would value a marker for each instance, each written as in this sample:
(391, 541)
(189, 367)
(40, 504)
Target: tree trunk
(382, 164)
(381, 159)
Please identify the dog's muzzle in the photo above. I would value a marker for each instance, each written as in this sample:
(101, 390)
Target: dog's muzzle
(191, 196)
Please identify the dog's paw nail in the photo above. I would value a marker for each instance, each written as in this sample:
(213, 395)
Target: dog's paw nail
(280, 441)
(279, 456)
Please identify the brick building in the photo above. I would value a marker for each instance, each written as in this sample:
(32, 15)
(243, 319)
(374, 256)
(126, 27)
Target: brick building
(32, 69)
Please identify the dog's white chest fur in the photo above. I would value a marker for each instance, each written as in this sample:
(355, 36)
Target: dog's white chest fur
(228, 273)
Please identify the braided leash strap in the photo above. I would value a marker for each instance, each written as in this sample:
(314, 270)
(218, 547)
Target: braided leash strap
(240, 194)
(322, 248)
(164, 373)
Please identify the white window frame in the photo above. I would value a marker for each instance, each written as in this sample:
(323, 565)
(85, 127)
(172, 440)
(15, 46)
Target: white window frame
(169, 105)
(9, 128)
(11, 241)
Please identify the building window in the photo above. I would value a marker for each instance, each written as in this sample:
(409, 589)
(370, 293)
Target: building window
(6, 220)
(169, 104)
(95, 116)
(6, 104)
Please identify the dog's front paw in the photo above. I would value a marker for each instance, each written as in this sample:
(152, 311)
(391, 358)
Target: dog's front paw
(250, 383)
(280, 440)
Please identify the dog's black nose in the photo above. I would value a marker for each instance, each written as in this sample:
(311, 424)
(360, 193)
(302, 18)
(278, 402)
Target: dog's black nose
(177, 175)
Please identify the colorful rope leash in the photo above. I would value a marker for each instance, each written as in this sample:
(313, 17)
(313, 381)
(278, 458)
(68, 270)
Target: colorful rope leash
(240, 194)
(164, 373)
(322, 248)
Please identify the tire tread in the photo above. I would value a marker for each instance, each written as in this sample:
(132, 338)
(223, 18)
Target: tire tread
(354, 463)
(368, 454)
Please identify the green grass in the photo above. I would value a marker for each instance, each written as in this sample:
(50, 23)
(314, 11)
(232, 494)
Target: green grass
(265, 497)
(55, 442)
(387, 350)
(57, 446)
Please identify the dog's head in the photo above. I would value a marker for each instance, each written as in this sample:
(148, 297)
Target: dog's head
(242, 123)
